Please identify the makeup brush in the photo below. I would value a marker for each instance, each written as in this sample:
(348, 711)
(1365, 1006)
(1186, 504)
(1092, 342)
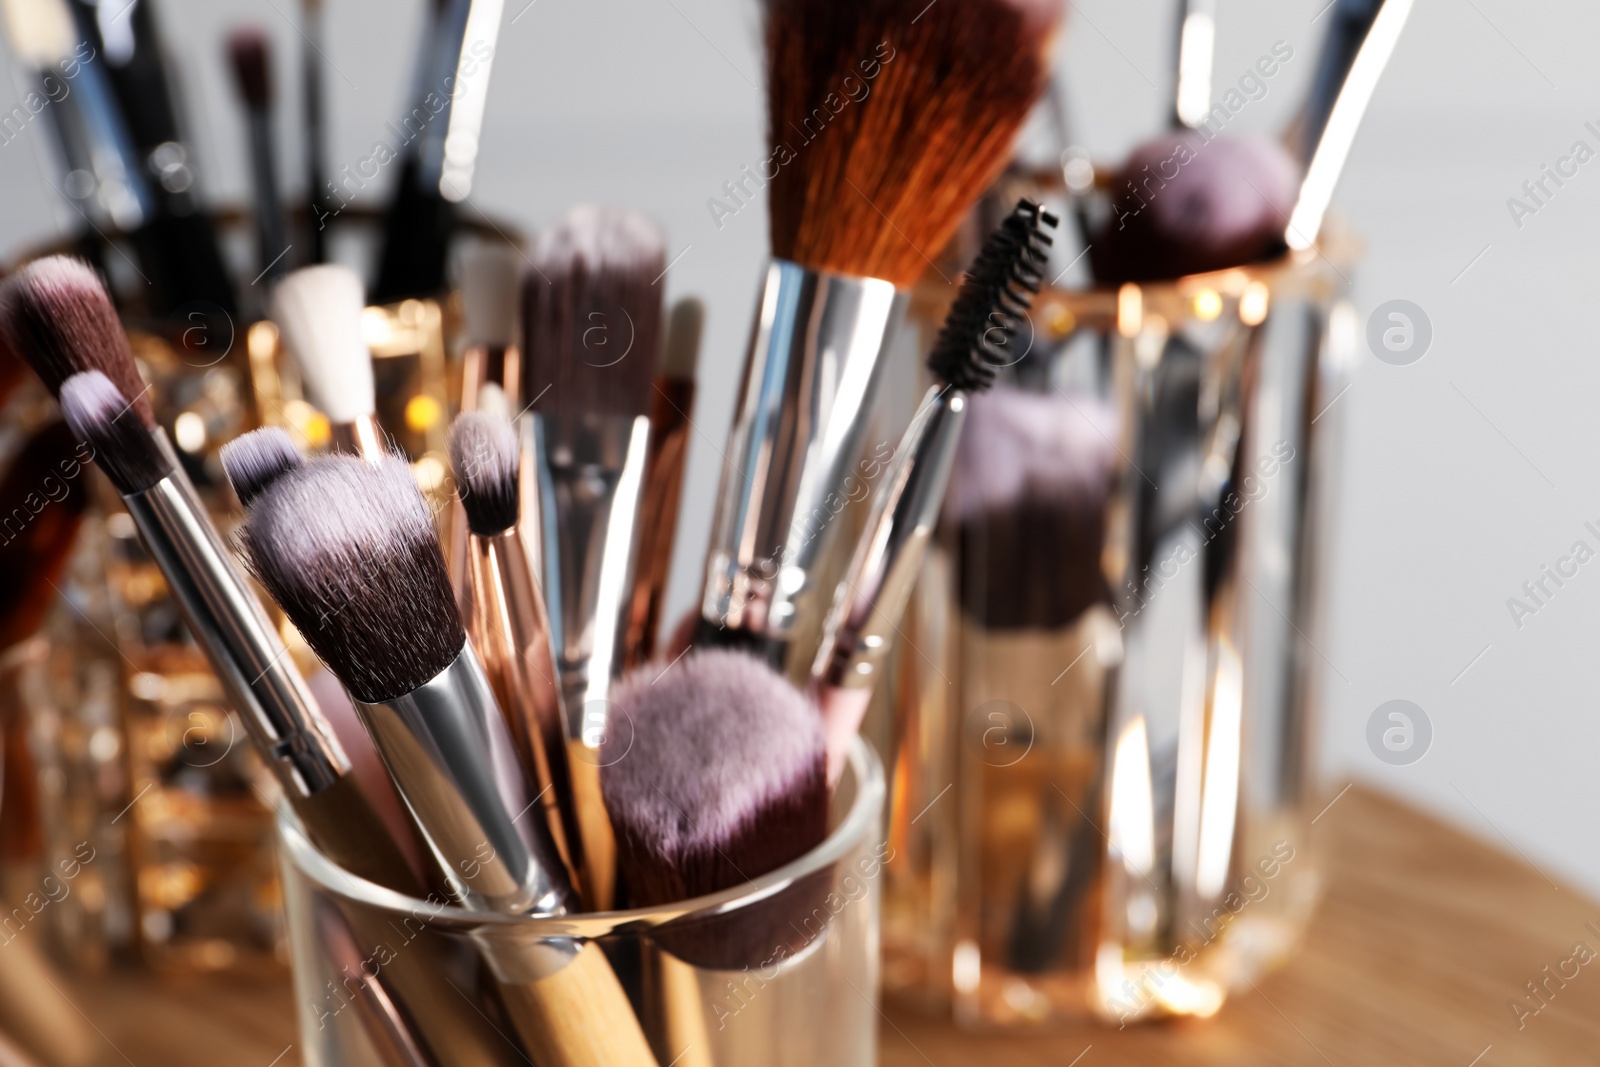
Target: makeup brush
(491, 284)
(670, 405)
(253, 461)
(43, 487)
(251, 60)
(347, 548)
(976, 337)
(314, 113)
(1189, 201)
(886, 120)
(1197, 39)
(318, 314)
(592, 334)
(720, 777)
(509, 628)
(1361, 37)
(175, 240)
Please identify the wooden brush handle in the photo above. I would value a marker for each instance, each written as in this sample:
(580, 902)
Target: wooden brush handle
(344, 827)
(578, 1017)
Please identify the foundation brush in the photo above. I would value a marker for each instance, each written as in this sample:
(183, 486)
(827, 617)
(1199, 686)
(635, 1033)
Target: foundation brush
(976, 337)
(511, 631)
(886, 120)
(347, 547)
(318, 314)
(592, 325)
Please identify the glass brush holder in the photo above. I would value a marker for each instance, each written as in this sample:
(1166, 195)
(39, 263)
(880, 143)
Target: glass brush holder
(1101, 779)
(780, 971)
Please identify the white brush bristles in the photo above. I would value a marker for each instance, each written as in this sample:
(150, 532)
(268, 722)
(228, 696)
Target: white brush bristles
(491, 280)
(318, 314)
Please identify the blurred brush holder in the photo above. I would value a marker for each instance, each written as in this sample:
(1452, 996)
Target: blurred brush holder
(780, 971)
(1101, 713)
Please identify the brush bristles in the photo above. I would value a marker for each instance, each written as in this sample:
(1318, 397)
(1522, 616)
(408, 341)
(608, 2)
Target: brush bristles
(997, 291)
(684, 327)
(714, 774)
(888, 118)
(491, 282)
(318, 314)
(252, 67)
(592, 312)
(123, 445)
(57, 315)
(255, 460)
(348, 550)
(486, 455)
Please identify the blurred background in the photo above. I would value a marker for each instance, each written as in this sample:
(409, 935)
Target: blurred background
(1466, 473)
(1467, 469)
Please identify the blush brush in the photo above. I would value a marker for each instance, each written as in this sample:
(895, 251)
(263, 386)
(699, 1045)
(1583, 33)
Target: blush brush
(347, 548)
(976, 337)
(886, 120)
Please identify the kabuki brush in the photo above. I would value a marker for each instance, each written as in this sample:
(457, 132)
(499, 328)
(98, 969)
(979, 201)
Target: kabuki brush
(347, 548)
(886, 120)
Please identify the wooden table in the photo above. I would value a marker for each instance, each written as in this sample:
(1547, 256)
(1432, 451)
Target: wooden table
(1424, 938)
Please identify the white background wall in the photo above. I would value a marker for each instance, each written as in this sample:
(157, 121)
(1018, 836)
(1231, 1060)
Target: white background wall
(1466, 472)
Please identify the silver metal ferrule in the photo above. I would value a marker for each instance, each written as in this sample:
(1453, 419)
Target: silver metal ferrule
(810, 378)
(590, 472)
(888, 559)
(240, 641)
(448, 749)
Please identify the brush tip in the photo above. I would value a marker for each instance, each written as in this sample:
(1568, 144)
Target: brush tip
(99, 414)
(56, 314)
(255, 460)
(318, 313)
(347, 548)
(995, 295)
(486, 455)
(251, 59)
(714, 773)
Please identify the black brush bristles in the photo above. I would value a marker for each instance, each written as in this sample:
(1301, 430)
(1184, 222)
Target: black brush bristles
(487, 456)
(348, 550)
(592, 315)
(123, 445)
(996, 292)
(252, 69)
(255, 460)
(56, 314)
(887, 119)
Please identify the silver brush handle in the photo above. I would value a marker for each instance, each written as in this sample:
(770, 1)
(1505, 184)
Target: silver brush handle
(888, 559)
(448, 749)
(809, 383)
(591, 486)
(244, 649)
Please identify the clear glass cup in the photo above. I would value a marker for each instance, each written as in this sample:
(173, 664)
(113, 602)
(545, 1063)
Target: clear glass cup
(781, 971)
(1101, 711)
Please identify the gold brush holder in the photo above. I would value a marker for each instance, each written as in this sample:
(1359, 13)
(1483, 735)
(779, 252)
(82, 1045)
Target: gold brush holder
(1101, 810)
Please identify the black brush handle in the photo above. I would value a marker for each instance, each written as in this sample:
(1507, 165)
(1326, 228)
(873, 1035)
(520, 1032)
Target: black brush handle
(1350, 22)
(317, 211)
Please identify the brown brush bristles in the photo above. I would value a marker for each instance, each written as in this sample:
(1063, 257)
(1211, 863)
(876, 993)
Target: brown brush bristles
(56, 314)
(252, 66)
(888, 118)
(592, 315)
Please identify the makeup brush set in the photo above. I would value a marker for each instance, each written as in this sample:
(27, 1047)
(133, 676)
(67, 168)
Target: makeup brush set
(569, 827)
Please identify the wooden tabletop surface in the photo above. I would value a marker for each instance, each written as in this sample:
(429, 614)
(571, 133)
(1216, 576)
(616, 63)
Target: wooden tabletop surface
(1424, 939)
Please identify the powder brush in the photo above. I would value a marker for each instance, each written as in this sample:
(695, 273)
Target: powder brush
(886, 120)
(347, 548)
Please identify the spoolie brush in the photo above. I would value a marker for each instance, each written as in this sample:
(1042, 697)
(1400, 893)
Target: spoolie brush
(255, 460)
(716, 776)
(318, 314)
(56, 314)
(886, 119)
(592, 327)
(347, 548)
(977, 336)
